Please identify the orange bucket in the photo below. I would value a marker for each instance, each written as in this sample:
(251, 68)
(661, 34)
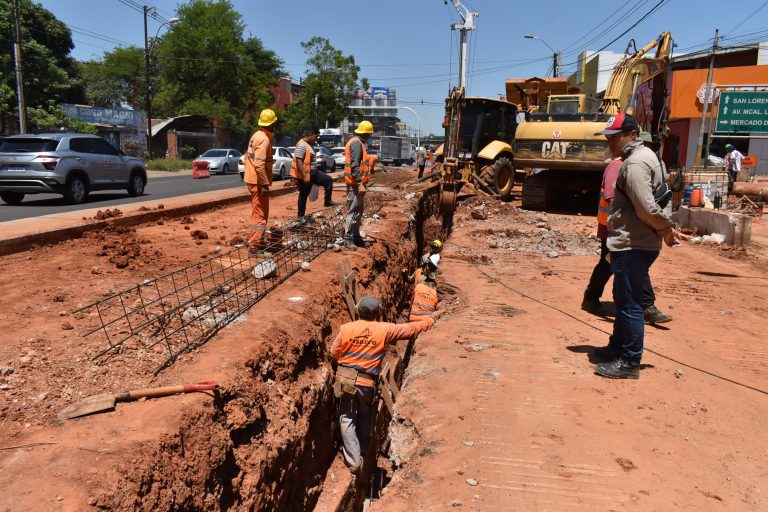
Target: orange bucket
(697, 196)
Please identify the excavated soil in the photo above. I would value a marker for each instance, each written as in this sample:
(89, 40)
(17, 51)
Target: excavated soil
(499, 409)
(263, 441)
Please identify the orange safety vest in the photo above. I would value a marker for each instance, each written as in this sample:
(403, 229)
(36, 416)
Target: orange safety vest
(363, 347)
(603, 207)
(307, 161)
(258, 167)
(424, 302)
(365, 167)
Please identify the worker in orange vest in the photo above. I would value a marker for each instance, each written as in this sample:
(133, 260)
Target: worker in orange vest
(306, 175)
(425, 299)
(359, 349)
(258, 176)
(358, 167)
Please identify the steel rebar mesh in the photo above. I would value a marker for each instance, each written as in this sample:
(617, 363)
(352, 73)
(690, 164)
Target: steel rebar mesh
(163, 317)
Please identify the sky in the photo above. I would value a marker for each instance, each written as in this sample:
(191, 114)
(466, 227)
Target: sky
(409, 45)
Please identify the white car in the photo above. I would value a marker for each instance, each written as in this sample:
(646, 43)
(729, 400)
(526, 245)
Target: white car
(338, 155)
(281, 168)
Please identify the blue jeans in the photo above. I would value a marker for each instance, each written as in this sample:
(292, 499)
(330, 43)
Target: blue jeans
(630, 273)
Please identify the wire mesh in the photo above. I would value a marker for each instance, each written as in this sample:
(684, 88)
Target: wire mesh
(164, 317)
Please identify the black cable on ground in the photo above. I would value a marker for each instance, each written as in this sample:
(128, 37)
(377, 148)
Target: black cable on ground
(706, 372)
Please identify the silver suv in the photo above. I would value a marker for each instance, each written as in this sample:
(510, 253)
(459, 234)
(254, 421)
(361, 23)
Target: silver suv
(70, 164)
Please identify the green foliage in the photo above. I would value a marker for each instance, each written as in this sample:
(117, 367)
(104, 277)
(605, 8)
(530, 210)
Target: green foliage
(188, 152)
(54, 118)
(168, 165)
(331, 77)
(116, 79)
(207, 67)
(51, 76)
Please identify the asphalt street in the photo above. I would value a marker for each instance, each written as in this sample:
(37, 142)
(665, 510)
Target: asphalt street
(157, 188)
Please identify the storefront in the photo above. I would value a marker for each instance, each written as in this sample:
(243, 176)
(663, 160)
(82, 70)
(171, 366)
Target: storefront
(688, 93)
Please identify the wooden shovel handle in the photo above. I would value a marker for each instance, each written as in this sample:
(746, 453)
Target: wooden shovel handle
(206, 385)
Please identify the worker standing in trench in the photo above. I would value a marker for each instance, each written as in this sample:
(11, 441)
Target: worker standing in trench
(425, 299)
(602, 271)
(258, 176)
(359, 349)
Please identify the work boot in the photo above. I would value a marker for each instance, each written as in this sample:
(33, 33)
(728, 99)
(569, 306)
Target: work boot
(652, 315)
(350, 244)
(618, 369)
(591, 305)
(330, 204)
(603, 354)
(261, 252)
(358, 241)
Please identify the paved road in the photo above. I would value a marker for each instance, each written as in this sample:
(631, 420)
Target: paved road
(157, 188)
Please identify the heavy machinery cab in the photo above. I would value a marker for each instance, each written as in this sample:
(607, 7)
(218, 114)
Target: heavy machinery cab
(572, 104)
(484, 121)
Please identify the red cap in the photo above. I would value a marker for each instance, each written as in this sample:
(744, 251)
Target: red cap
(619, 123)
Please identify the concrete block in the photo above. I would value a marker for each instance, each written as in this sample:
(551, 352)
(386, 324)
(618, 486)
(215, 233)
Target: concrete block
(736, 227)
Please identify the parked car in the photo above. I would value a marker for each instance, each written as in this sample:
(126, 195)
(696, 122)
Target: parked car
(324, 159)
(70, 164)
(281, 168)
(338, 156)
(221, 161)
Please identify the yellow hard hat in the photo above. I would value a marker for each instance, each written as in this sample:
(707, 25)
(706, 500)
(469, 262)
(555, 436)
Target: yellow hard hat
(437, 244)
(267, 117)
(365, 127)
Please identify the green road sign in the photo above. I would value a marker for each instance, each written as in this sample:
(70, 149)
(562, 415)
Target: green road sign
(742, 111)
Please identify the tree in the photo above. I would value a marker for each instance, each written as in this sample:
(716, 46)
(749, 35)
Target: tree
(116, 79)
(206, 67)
(51, 75)
(331, 78)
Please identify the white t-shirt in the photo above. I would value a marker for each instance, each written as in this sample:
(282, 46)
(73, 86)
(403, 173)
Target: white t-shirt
(733, 160)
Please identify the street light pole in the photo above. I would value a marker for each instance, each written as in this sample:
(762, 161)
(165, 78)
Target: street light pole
(418, 125)
(555, 55)
(148, 97)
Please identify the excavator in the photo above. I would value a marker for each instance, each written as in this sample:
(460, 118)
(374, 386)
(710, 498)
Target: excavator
(556, 146)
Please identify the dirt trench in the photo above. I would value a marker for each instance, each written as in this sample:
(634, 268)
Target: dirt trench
(269, 437)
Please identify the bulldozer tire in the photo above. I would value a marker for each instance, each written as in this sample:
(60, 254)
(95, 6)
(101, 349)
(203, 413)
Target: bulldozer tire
(503, 178)
(535, 192)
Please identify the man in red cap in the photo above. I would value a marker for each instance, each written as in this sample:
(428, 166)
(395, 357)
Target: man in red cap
(636, 227)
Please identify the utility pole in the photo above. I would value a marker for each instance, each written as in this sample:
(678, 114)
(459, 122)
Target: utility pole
(148, 97)
(19, 74)
(469, 24)
(707, 97)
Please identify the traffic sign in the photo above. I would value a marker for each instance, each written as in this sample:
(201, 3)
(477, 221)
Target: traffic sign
(742, 111)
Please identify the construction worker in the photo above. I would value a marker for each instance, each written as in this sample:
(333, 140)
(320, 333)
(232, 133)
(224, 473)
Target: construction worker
(258, 176)
(358, 168)
(429, 261)
(425, 300)
(305, 174)
(359, 349)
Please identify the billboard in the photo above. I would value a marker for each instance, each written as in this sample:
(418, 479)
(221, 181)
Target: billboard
(107, 116)
(373, 93)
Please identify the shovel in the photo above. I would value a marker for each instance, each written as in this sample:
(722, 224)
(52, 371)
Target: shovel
(107, 401)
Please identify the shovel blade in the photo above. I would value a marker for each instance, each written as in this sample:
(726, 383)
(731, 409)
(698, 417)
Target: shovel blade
(91, 405)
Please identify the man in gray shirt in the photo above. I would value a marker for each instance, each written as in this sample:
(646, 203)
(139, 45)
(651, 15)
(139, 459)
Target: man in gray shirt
(421, 160)
(636, 227)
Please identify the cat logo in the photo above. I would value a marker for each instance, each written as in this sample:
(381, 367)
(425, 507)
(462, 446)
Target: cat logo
(554, 150)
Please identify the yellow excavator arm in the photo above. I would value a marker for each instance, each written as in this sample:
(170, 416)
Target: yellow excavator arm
(633, 70)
